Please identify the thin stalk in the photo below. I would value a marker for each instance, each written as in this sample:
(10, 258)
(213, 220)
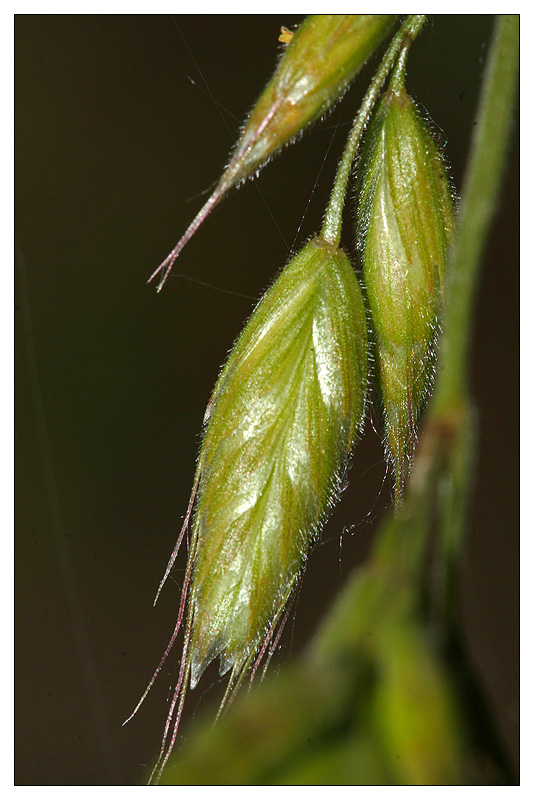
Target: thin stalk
(488, 155)
(402, 40)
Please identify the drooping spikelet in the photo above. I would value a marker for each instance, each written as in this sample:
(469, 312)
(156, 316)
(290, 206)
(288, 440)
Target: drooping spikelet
(282, 419)
(405, 221)
(320, 60)
(279, 428)
(323, 56)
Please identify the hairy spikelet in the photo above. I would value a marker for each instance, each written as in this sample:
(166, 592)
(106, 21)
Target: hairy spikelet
(405, 220)
(283, 417)
(279, 428)
(321, 58)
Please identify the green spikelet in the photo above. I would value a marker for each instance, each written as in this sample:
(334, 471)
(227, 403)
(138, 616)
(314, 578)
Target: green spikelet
(279, 427)
(284, 416)
(321, 59)
(405, 220)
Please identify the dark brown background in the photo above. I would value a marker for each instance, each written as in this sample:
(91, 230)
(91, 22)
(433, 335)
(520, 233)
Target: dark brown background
(116, 137)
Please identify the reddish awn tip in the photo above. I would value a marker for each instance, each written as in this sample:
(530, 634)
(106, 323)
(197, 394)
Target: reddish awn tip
(166, 265)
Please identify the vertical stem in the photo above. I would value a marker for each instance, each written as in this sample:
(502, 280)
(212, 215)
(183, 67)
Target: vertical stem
(487, 160)
(331, 230)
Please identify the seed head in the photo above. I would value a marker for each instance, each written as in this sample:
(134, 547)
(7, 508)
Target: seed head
(279, 427)
(321, 58)
(283, 417)
(405, 220)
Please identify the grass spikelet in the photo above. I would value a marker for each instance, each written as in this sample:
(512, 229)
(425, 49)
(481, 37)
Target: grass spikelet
(405, 221)
(321, 58)
(279, 428)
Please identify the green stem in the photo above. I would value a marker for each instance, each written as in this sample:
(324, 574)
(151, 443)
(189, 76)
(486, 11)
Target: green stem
(487, 160)
(331, 230)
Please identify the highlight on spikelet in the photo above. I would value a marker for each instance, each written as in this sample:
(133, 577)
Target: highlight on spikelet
(279, 428)
(319, 61)
(404, 224)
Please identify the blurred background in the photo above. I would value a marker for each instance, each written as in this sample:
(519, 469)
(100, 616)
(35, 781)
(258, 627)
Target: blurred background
(122, 124)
